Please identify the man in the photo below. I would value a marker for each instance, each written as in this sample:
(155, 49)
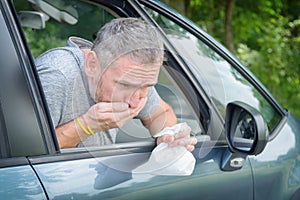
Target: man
(91, 89)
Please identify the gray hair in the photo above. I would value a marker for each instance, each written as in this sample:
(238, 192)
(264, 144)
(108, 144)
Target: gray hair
(131, 37)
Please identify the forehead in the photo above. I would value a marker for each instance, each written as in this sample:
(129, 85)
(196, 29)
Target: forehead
(126, 69)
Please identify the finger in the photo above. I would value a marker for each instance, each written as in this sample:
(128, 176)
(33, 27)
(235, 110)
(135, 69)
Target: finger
(118, 119)
(119, 106)
(114, 117)
(183, 134)
(184, 142)
(189, 144)
(190, 148)
(166, 139)
(111, 107)
(123, 116)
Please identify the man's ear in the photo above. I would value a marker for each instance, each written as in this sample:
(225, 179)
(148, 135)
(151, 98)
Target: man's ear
(91, 66)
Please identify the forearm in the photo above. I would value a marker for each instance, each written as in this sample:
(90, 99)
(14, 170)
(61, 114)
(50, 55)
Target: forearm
(69, 135)
(163, 117)
(162, 122)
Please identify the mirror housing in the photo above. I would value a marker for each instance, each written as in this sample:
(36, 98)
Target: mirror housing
(33, 19)
(245, 125)
(57, 9)
(246, 134)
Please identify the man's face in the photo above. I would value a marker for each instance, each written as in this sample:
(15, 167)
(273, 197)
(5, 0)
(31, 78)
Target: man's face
(126, 81)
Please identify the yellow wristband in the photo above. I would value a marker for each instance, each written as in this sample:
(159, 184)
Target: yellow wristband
(85, 124)
(82, 127)
(90, 130)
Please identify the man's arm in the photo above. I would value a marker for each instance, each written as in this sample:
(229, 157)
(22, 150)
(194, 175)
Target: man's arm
(163, 117)
(100, 117)
(69, 135)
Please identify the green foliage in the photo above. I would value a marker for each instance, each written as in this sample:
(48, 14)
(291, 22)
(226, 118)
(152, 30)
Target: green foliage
(275, 61)
(42, 40)
(267, 40)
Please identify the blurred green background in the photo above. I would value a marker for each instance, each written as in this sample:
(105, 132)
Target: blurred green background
(263, 34)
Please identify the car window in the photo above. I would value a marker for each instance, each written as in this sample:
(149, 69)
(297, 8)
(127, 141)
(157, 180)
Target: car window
(87, 20)
(221, 81)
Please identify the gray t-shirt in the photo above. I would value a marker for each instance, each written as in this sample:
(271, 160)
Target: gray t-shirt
(64, 82)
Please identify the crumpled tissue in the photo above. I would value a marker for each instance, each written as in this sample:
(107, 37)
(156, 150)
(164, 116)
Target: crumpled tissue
(169, 161)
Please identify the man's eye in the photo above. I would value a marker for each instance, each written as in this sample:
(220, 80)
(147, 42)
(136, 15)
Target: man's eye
(123, 85)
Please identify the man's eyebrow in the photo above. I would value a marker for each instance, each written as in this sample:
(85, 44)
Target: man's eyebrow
(125, 82)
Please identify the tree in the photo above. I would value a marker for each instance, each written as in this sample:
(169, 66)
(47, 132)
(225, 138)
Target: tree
(228, 24)
(264, 34)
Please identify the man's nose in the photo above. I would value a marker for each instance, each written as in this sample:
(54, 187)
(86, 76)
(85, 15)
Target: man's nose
(136, 97)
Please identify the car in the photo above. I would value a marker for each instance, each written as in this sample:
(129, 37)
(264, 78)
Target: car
(248, 144)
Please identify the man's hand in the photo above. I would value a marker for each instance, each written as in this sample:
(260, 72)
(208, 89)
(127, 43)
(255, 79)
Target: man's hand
(100, 117)
(181, 138)
(103, 116)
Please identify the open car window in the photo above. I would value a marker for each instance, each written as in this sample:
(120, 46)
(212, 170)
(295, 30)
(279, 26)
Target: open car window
(44, 30)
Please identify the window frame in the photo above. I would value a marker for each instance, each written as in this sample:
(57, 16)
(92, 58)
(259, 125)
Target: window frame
(25, 79)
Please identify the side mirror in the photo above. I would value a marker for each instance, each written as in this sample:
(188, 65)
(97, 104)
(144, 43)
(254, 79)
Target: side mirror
(246, 134)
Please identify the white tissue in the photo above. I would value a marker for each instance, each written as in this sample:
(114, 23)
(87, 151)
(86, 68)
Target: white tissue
(169, 161)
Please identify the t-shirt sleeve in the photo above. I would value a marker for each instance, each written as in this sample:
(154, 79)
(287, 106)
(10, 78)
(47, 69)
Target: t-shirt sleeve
(50, 66)
(151, 104)
(55, 89)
